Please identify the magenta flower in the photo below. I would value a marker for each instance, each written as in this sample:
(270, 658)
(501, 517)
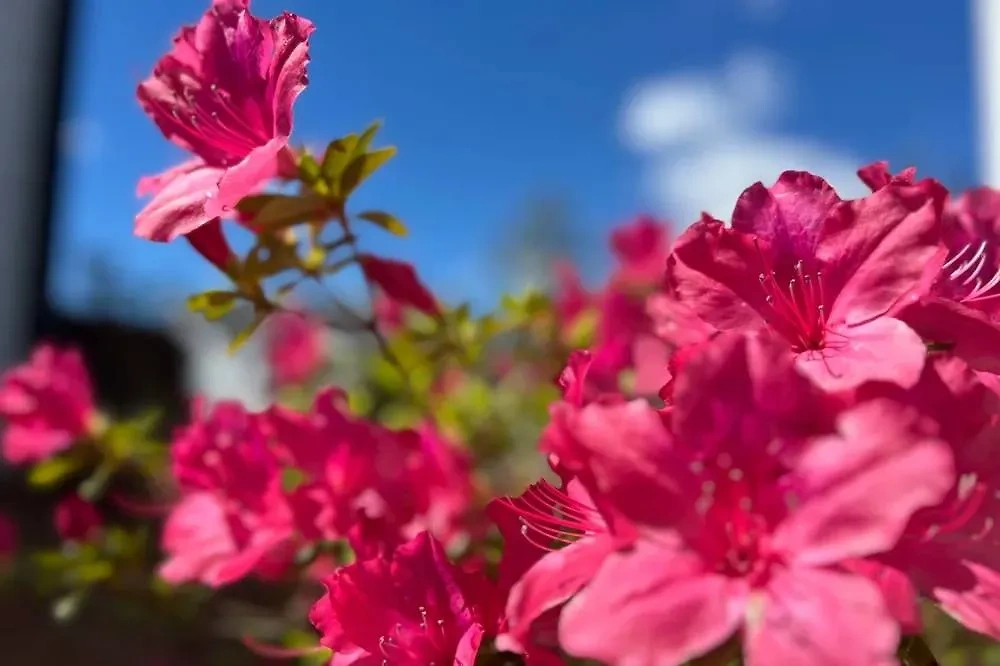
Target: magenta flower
(950, 552)
(231, 520)
(411, 609)
(962, 310)
(641, 247)
(76, 519)
(399, 282)
(740, 519)
(224, 92)
(47, 403)
(826, 276)
(296, 347)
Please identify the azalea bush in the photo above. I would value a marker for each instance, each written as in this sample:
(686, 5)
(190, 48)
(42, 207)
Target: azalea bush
(773, 441)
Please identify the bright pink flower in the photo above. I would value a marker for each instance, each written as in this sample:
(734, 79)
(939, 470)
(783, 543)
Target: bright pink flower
(76, 519)
(47, 403)
(225, 92)
(388, 312)
(296, 347)
(641, 247)
(571, 298)
(411, 609)
(399, 281)
(442, 474)
(962, 311)
(877, 175)
(231, 519)
(951, 552)
(740, 508)
(824, 275)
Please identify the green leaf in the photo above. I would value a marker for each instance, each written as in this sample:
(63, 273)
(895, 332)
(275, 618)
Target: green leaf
(337, 156)
(292, 479)
(363, 166)
(309, 170)
(366, 138)
(52, 471)
(213, 305)
(244, 335)
(93, 487)
(282, 210)
(387, 221)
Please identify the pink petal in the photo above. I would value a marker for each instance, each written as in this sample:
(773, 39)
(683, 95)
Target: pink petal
(468, 646)
(879, 248)
(179, 207)
(552, 581)
(976, 602)
(970, 334)
(788, 216)
(399, 281)
(652, 606)
(898, 591)
(860, 488)
(884, 349)
(152, 185)
(288, 67)
(245, 178)
(819, 618)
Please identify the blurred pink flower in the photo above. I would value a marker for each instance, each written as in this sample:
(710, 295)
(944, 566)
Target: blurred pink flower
(388, 312)
(225, 92)
(824, 275)
(76, 519)
(296, 347)
(231, 519)
(47, 403)
(641, 247)
(399, 282)
(411, 609)
(733, 513)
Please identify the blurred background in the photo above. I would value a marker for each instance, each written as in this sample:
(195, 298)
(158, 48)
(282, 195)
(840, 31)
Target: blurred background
(526, 131)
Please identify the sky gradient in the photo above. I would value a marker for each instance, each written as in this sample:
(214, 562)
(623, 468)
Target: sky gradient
(668, 107)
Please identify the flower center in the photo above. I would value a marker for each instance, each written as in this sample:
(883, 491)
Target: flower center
(426, 642)
(797, 305)
(551, 519)
(966, 278)
(738, 514)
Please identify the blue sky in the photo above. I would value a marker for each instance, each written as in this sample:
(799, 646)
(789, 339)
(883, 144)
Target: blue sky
(619, 107)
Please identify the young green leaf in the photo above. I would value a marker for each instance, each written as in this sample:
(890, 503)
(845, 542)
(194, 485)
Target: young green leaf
(387, 221)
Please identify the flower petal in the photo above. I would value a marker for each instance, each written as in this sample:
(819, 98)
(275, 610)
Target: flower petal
(652, 606)
(179, 206)
(820, 618)
(883, 349)
(861, 487)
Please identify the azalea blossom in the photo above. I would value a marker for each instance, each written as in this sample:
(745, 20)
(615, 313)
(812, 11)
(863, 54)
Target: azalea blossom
(398, 281)
(296, 349)
(231, 519)
(823, 275)
(731, 513)
(413, 608)
(950, 552)
(48, 405)
(224, 92)
(76, 519)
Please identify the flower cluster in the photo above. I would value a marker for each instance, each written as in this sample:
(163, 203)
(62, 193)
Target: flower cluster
(766, 443)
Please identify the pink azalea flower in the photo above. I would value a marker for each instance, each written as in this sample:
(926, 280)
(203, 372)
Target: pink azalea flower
(951, 552)
(824, 275)
(738, 510)
(411, 609)
(962, 310)
(48, 405)
(571, 298)
(76, 519)
(231, 518)
(296, 347)
(224, 92)
(398, 281)
(442, 473)
(641, 247)
(388, 312)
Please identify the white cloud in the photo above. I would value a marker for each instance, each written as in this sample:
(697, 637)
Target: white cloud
(705, 137)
